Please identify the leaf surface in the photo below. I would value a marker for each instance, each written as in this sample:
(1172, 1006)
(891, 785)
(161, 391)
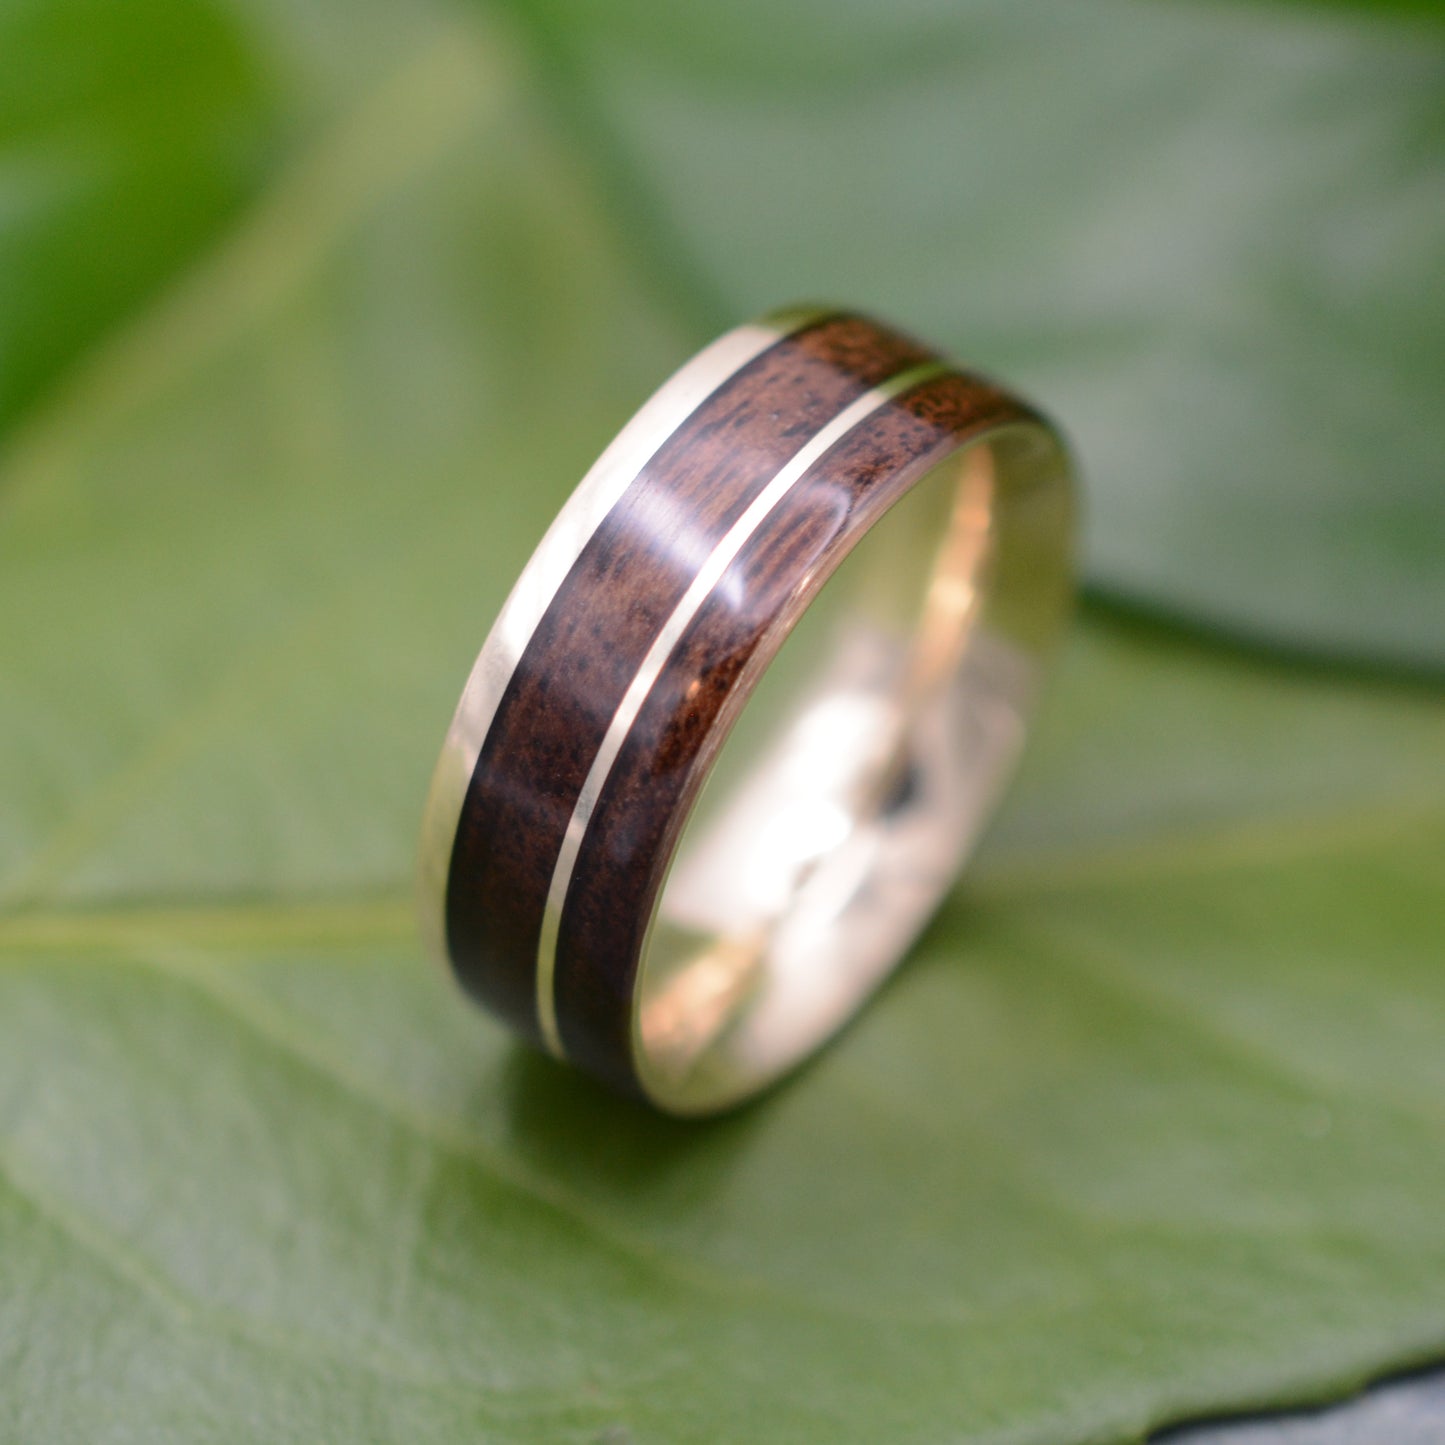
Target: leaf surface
(120, 158)
(1148, 1125)
(1210, 236)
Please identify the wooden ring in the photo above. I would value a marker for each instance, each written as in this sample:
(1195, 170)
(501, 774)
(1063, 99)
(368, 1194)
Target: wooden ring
(690, 943)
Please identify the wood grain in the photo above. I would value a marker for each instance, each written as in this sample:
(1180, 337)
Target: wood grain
(604, 616)
(665, 758)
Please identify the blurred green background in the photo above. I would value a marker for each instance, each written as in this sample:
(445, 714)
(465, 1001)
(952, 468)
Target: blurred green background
(310, 316)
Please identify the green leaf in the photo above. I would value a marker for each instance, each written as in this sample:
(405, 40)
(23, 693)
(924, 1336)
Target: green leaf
(125, 144)
(1148, 1125)
(1211, 236)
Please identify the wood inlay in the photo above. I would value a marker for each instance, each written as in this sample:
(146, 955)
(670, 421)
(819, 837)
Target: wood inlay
(600, 624)
(634, 827)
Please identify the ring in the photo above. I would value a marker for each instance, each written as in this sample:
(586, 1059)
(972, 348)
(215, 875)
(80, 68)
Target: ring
(685, 896)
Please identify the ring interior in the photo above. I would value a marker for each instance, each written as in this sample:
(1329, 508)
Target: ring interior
(846, 795)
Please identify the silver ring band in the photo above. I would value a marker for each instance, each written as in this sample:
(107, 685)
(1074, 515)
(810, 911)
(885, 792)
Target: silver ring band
(686, 897)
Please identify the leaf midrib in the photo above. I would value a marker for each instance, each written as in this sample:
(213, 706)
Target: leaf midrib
(390, 917)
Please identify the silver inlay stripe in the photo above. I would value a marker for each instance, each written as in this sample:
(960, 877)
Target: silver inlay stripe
(594, 497)
(708, 576)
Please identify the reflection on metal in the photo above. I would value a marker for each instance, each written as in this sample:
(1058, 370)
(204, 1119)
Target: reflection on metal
(822, 844)
(685, 1013)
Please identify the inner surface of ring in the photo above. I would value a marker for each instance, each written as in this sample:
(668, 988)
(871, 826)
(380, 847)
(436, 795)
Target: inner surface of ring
(837, 810)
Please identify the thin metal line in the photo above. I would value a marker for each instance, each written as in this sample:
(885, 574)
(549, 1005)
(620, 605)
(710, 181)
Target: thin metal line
(707, 578)
(595, 495)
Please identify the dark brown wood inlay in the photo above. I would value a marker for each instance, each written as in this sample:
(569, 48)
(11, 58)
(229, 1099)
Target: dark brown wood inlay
(662, 764)
(590, 642)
